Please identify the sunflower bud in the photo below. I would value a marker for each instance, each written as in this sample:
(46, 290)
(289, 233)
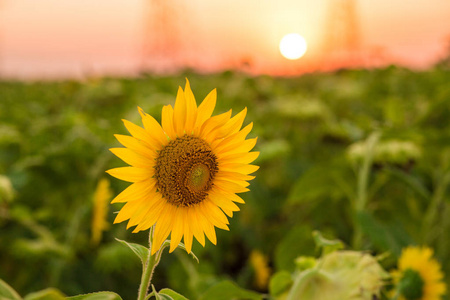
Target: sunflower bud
(411, 285)
(340, 275)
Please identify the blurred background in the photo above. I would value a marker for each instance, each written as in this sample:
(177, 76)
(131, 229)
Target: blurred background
(355, 104)
(75, 39)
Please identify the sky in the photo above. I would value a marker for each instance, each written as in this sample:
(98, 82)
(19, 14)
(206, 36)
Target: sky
(78, 38)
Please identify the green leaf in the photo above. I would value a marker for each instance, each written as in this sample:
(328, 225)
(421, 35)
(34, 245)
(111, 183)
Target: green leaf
(280, 283)
(174, 295)
(326, 245)
(298, 241)
(97, 296)
(388, 237)
(322, 182)
(182, 246)
(159, 296)
(414, 183)
(7, 292)
(47, 294)
(226, 290)
(141, 251)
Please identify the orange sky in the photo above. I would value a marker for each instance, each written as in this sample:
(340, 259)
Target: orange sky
(54, 38)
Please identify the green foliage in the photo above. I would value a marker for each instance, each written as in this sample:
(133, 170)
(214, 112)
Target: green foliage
(226, 290)
(97, 296)
(7, 292)
(280, 283)
(326, 245)
(141, 251)
(48, 294)
(174, 295)
(313, 134)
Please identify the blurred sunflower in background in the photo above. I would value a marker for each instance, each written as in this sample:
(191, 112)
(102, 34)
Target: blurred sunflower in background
(102, 196)
(419, 275)
(185, 172)
(260, 265)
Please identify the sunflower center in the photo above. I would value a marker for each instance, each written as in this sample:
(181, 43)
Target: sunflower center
(185, 169)
(411, 285)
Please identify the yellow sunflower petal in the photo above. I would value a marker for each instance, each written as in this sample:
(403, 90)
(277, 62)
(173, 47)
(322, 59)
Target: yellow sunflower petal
(240, 168)
(131, 174)
(232, 140)
(191, 108)
(151, 216)
(234, 176)
(206, 226)
(167, 121)
(179, 113)
(228, 212)
(213, 123)
(135, 145)
(238, 158)
(163, 227)
(205, 109)
(153, 201)
(141, 134)
(178, 228)
(135, 191)
(128, 210)
(153, 127)
(232, 187)
(232, 126)
(214, 215)
(231, 196)
(242, 147)
(188, 234)
(223, 202)
(132, 158)
(211, 233)
(196, 229)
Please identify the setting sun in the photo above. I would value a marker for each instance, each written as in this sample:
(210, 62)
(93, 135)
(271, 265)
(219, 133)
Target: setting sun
(293, 46)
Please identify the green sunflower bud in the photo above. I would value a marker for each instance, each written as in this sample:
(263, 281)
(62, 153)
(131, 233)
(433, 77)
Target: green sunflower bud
(411, 285)
(305, 262)
(340, 275)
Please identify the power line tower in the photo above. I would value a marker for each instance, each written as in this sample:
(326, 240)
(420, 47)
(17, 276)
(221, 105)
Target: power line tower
(161, 41)
(341, 39)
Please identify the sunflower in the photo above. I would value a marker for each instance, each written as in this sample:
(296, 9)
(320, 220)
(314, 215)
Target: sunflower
(185, 172)
(419, 276)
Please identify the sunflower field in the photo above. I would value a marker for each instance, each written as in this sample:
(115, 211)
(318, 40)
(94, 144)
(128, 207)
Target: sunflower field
(351, 199)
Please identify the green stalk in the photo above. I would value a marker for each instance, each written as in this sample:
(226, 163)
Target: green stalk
(362, 186)
(148, 269)
(434, 207)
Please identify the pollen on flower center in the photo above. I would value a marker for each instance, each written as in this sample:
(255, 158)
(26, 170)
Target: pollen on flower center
(184, 170)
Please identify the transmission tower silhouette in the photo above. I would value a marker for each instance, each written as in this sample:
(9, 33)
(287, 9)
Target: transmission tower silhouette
(162, 40)
(341, 39)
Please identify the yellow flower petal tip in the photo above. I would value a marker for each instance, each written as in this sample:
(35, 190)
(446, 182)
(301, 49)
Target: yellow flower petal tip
(185, 171)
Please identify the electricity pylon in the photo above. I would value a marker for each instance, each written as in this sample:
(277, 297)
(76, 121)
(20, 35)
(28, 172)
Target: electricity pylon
(161, 42)
(341, 39)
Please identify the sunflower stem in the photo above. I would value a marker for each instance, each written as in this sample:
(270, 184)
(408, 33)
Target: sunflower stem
(432, 212)
(148, 269)
(362, 187)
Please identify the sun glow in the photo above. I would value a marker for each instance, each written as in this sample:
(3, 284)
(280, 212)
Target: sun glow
(293, 46)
